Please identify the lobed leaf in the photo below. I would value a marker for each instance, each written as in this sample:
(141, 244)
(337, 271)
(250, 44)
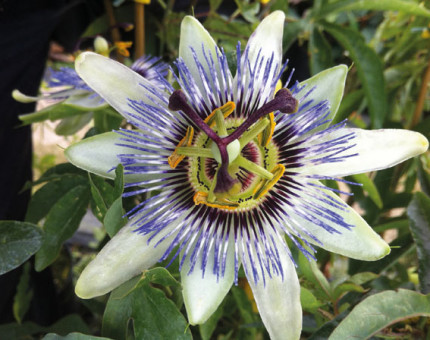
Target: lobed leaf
(154, 315)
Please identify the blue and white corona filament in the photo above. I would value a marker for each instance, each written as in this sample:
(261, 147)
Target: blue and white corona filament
(234, 165)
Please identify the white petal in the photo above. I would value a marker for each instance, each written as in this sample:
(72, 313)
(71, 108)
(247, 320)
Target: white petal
(195, 36)
(266, 40)
(376, 149)
(327, 85)
(208, 82)
(264, 45)
(203, 295)
(113, 81)
(360, 242)
(126, 255)
(278, 301)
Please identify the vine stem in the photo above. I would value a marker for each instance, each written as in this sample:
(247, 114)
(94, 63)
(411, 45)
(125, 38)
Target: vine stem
(421, 97)
(139, 47)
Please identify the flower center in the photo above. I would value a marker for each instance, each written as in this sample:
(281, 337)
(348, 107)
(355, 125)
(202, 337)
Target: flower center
(232, 160)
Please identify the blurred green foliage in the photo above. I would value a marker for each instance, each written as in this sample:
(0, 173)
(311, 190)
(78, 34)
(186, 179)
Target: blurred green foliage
(386, 45)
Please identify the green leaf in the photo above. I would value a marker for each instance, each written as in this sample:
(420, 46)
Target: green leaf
(424, 174)
(379, 311)
(279, 5)
(70, 125)
(248, 10)
(159, 276)
(396, 224)
(57, 171)
(64, 109)
(108, 200)
(419, 216)
(72, 336)
(325, 330)
(407, 7)
(214, 4)
(18, 241)
(52, 112)
(107, 120)
(23, 296)
(113, 219)
(118, 314)
(346, 287)
(369, 67)
(292, 32)
(311, 272)
(45, 198)
(157, 317)
(206, 330)
(362, 278)
(370, 188)
(69, 323)
(61, 222)
(228, 32)
(350, 102)
(245, 310)
(102, 193)
(308, 300)
(154, 315)
(319, 51)
(119, 181)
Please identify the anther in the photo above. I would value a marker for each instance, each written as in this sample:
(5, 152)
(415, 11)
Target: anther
(287, 103)
(283, 101)
(177, 100)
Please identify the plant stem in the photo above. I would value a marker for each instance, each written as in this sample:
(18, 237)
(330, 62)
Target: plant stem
(421, 97)
(139, 30)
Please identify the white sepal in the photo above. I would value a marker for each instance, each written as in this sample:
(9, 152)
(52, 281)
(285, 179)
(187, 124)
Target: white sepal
(278, 298)
(126, 255)
(374, 149)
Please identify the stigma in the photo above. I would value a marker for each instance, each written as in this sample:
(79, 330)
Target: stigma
(232, 161)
